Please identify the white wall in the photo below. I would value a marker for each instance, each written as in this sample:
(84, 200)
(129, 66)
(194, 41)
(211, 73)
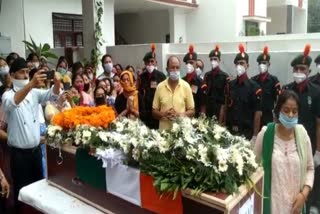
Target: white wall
(12, 25)
(283, 48)
(178, 25)
(143, 27)
(38, 17)
(278, 22)
(299, 21)
(108, 22)
(242, 9)
(5, 46)
(213, 20)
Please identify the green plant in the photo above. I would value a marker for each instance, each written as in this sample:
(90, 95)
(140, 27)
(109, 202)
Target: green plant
(95, 52)
(41, 50)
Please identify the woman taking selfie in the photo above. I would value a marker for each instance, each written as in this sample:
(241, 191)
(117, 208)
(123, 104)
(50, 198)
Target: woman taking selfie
(284, 148)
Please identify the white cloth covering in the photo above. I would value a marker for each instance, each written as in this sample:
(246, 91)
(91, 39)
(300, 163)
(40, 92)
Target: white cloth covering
(49, 199)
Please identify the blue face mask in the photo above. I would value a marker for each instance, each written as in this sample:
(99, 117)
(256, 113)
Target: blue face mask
(288, 122)
(174, 75)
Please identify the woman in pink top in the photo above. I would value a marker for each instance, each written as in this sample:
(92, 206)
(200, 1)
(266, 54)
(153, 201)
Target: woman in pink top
(285, 150)
(85, 98)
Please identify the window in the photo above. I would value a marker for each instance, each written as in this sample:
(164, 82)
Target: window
(252, 28)
(67, 30)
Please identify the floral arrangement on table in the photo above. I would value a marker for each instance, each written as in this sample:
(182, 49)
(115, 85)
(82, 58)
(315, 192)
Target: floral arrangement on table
(78, 125)
(196, 153)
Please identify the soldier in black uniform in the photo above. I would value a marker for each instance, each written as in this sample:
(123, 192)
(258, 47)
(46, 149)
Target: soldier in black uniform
(309, 114)
(215, 86)
(270, 86)
(316, 78)
(244, 103)
(147, 84)
(194, 81)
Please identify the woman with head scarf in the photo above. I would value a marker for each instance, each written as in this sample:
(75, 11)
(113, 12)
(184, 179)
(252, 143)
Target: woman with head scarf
(129, 103)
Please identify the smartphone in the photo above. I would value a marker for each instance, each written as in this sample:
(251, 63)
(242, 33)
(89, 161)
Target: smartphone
(66, 86)
(50, 75)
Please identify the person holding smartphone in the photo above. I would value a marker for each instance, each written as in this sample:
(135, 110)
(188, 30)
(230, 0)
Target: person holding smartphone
(21, 107)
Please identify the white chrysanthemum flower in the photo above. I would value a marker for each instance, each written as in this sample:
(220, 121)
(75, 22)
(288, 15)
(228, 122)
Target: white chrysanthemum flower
(143, 130)
(53, 129)
(202, 128)
(134, 142)
(86, 136)
(217, 136)
(163, 145)
(189, 138)
(103, 136)
(191, 153)
(175, 128)
(202, 151)
(136, 154)
(119, 127)
(178, 143)
(223, 166)
(78, 138)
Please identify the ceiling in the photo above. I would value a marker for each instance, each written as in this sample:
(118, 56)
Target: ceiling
(134, 6)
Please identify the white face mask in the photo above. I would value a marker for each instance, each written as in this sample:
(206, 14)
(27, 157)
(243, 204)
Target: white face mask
(150, 68)
(240, 70)
(4, 70)
(198, 71)
(318, 67)
(19, 84)
(263, 68)
(36, 64)
(299, 77)
(90, 76)
(174, 75)
(214, 64)
(108, 67)
(190, 68)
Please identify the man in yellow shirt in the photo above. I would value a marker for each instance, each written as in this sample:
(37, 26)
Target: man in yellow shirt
(173, 97)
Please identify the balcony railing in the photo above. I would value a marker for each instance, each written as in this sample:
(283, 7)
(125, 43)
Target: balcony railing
(186, 3)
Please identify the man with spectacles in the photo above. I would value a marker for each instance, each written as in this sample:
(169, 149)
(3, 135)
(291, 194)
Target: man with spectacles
(147, 84)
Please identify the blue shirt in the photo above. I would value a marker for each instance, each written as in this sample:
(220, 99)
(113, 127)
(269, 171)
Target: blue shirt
(23, 119)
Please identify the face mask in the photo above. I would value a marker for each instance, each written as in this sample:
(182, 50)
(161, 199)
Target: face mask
(111, 100)
(100, 101)
(35, 64)
(62, 71)
(108, 67)
(198, 71)
(19, 84)
(90, 76)
(4, 70)
(75, 100)
(86, 87)
(318, 67)
(263, 68)
(174, 75)
(150, 68)
(214, 64)
(288, 122)
(80, 87)
(240, 70)
(299, 77)
(190, 68)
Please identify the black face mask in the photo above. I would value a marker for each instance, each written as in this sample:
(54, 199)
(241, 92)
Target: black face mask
(100, 101)
(86, 87)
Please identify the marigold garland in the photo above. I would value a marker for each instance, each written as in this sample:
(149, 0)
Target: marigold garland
(100, 116)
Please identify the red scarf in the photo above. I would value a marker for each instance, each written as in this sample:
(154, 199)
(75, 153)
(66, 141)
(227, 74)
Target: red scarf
(242, 78)
(263, 76)
(215, 71)
(190, 76)
(302, 86)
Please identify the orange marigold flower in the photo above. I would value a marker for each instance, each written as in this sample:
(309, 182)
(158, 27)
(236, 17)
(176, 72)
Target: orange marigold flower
(100, 116)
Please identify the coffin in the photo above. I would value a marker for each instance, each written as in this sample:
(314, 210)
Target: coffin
(69, 178)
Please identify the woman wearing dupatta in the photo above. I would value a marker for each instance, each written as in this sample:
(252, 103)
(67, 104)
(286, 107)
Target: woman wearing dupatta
(284, 148)
(129, 103)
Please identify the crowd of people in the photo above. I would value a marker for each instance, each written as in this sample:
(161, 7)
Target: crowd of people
(257, 108)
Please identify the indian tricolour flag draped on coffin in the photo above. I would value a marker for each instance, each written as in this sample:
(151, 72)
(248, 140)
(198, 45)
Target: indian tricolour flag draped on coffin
(135, 187)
